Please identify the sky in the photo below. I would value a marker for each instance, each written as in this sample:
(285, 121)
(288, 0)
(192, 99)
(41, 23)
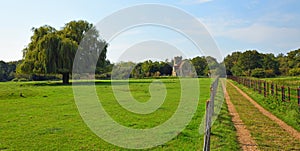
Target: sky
(269, 26)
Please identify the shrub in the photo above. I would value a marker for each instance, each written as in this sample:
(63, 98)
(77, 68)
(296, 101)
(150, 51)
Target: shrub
(294, 72)
(15, 80)
(270, 73)
(258, 73)
(23, 80)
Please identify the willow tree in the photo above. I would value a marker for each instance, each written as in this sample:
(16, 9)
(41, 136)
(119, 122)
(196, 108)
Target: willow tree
(52, 51)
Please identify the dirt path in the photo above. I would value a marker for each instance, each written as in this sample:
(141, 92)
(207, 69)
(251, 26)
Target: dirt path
(269, 132)
(282, 124)
(244, 136)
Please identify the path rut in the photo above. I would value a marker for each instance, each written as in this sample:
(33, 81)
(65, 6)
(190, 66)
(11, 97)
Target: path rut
(269, 132)
(244, 136)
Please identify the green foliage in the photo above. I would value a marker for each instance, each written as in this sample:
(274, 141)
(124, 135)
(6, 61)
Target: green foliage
(270, 73)
(250, 60)
(52, 51)
(230, 62)
(294, 72)
(8, 70)
(258, 73)
(201, 66)
(294, 59)
(263, 65)
(270, 64)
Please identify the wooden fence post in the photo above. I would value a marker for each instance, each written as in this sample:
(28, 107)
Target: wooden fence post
(206, 146)
(276, 91)
(289, 94)
(272, 88)
(265, 90)
(209, 114)
(282, 93)
(250, 84)
(268, 88)
(259, 87)
(298, 96)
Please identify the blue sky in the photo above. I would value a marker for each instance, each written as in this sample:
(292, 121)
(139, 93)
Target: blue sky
(269, 26)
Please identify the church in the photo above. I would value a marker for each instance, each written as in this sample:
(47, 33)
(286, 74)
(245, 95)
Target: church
(182, 68)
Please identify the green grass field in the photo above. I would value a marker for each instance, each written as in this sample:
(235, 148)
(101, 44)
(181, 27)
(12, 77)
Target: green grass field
(286, 81)
(46, 117)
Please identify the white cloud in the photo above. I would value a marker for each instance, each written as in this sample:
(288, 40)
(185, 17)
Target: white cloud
(258, 33)
(272, 33)
(217, 26)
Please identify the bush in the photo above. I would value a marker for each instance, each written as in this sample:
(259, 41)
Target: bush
(15, 80)
(23, 80)
(258, 73)
(294, 72)
(270, 73)
(103, 76)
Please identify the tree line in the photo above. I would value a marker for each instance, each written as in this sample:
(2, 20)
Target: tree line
(248, 63)
(203, 66)
(255, 64)
(52, 52)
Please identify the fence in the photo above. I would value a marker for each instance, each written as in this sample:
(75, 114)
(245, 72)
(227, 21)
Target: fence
(284, 93)
(209, 113)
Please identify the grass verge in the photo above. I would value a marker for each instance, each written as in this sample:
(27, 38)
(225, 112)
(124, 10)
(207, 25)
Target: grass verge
(289, 112)
(267, 134)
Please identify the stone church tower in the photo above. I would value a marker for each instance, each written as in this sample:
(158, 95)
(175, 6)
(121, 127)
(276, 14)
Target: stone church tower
(176, 65)
(183, 68)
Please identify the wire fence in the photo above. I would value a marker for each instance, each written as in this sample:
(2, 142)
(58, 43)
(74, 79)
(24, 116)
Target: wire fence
(210, 104)
(268, 89)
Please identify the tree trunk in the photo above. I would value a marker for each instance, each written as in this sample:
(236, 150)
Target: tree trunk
(66, 78)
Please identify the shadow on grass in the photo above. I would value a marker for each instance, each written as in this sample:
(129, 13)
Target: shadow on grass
(102, 82)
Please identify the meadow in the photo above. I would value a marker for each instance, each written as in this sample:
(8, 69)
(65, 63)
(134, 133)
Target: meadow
(45, 117)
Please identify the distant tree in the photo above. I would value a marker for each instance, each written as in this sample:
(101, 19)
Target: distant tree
(258, 73)
(283, 64)
(294, 72)
(52, 51)
(165, 68)
(270, 65)
(146, 68)
(200, 64)
(230, 61)
(212, 65)
(8, 70)
(250, 60)
(123, 70)
(294, 59)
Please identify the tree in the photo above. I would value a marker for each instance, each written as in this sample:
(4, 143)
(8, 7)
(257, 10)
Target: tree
(283, 64)
(165, 68)
(200, 65)
(250, 60)
(294, 59)
(8, 70)
(230, 62)
(270, 65)
(52, 51)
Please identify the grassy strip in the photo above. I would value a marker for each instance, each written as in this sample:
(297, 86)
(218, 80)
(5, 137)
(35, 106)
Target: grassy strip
(223, 132)
(267, 134)
(289, 112)
(286, 81)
